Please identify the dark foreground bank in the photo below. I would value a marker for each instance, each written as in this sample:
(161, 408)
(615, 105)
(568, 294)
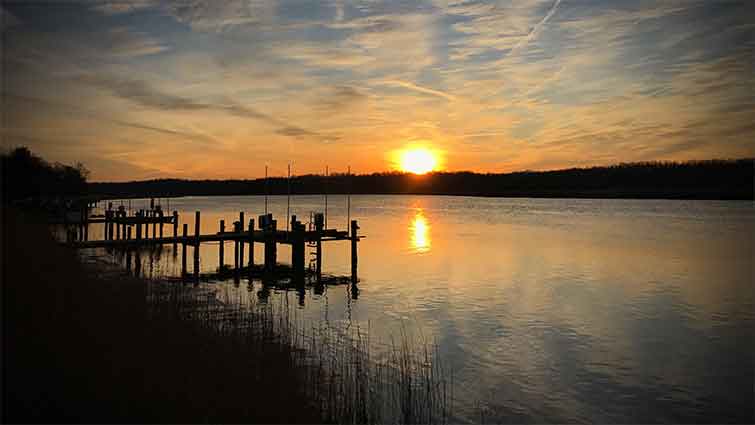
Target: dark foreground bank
(82, 347)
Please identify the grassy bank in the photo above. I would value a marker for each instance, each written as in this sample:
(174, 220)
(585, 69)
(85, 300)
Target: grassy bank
(83, 348)
(85, 345)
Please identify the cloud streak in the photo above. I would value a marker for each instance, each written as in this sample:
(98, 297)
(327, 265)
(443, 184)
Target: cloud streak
(144, 94)
(420, 89)
(535, 30)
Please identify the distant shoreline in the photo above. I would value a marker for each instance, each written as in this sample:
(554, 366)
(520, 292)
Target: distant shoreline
(693, 180)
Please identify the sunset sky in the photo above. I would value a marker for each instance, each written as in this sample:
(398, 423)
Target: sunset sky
(218, 89)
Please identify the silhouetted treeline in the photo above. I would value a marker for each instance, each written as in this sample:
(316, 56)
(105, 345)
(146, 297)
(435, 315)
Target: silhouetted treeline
(29, 177)
(711, 179)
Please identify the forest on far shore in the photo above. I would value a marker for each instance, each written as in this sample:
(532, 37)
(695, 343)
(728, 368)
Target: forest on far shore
(27, 176)
(708, 179)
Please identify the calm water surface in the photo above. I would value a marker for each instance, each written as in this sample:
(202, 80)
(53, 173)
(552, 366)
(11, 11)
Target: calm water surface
(548, 310)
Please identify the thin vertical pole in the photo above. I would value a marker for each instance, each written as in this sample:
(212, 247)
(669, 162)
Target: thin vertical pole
(265, 189)
(354, 260)
(348, 203)
(251, 243)
(326, 196)
(196, 243)
(183, 249)
(288, 198)
(175, 228)
(241, 240)
(235, 252)
(221, 254)
(107, 223)
(318, 250)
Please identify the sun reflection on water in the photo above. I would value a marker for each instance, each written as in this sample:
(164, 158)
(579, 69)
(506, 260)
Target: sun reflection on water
(419, 230)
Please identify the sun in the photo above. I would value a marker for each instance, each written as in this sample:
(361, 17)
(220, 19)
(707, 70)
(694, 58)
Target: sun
(418, 161)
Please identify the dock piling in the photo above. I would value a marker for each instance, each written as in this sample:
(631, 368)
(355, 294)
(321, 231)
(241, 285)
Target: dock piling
(221, 246)
(235, 247)
(183, 249)
(161, 215)
(241, 240)
(319, 226)
(297, 252)
(354, 259)
(251, 243)
(196, 244)
(107, 224)
(270, 245)
(175, 227)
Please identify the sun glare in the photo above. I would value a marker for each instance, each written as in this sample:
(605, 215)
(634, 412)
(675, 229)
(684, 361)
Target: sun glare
(418, 161)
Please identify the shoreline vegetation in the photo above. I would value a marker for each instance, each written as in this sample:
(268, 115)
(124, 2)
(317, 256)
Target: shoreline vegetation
(87, 343)
(707, 179)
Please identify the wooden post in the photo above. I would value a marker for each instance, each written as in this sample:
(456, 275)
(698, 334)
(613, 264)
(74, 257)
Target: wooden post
(139, 225)
(118, 227)
(183, 249)
(319, 226)
(145, 224)
(196, 244)
(175, 230)
(270, 246)
(251, 244)
(241, 240)
(221, 246)
(107, 220)
(297, 252)
(236, 229)
(154, 226)
(354, 240)
(162, 215)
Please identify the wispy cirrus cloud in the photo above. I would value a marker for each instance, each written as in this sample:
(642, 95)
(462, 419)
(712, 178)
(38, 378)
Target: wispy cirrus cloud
(500, 85)
(144, 94)
(419, 89)
(116, 7)
(123, 42)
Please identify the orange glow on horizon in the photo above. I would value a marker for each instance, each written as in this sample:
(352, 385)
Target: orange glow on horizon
(418, 160)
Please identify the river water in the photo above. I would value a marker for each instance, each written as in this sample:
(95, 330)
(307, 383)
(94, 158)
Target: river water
(547, 310)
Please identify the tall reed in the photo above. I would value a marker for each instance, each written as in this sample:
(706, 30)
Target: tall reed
(336, 365)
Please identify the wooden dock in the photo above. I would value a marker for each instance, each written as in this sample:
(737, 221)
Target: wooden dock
(129, 232)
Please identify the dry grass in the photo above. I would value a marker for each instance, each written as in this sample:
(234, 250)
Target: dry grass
(338, 372)
(91, 345)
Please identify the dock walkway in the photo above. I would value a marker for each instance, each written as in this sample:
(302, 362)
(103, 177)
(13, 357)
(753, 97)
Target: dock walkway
(128, 232)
